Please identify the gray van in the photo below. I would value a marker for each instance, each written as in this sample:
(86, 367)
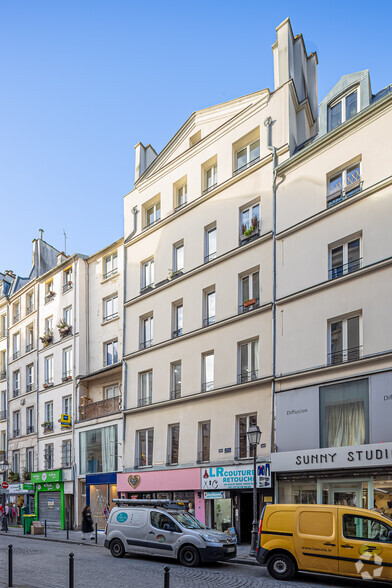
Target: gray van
(164, 528)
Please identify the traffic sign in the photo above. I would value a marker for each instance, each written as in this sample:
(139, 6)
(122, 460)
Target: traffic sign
(4, 485)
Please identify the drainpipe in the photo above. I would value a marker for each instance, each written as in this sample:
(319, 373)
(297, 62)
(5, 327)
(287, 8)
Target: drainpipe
(74, 408)
(37, 374)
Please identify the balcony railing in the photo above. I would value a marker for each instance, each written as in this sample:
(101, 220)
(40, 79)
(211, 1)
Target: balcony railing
(344, 355)
(47, 427)
(48, 383)
(49, 296)
(248, 305)
(144, 400)
(247, 376)
(110, 273)
(67, 286)
(16, 432)
(210, 320)
(3, 334)
(16, 393)
(29, 347)
(176, 393)
(210, 257)
(147, 288)
(347, 268)
(146, 344)
(64, 332)
(3, 375)
(340, 194)
(67, 376)
(246, 165)
(29, 309)
(16, 317)
(29, 387)
(66, 460)
(3, 415)
(176, 333)
(110, 317)
(30, 429)
(16, 354)
(207, 386)
(98, 409)
(203, 456)
(250, 234)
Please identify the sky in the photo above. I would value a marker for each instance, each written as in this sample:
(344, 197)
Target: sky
(82, 82)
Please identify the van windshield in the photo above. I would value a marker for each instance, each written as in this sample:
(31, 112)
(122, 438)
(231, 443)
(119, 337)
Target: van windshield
(187, 520)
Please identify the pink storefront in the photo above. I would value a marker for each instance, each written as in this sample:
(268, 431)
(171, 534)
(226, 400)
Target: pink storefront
(182, 485)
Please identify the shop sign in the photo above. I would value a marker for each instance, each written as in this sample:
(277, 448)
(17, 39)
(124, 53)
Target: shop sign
(214, 495)
(65, 421)
(48, 487)
(19, 488)
(50, 502)
(233, 477)
(359, 456)
(51, 476)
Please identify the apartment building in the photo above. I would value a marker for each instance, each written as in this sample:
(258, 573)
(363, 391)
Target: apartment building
(198, 346)
(334, 326)
(6, 282)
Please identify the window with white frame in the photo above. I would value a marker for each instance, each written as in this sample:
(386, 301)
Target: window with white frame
(211, 177)
(146, 331)
(181, 196)
(248, 360)
(210, 243)
(207, 371)
(249, 294)
(173, 444)
(344, 184)
(67, 315)
(16, 462)
(29, 302)
(16, 345)
(343, 109)
(3, 405)
(145, 388)
(111, 352)
(153, 213)
(209, 307)
(345, 258)
(3, 443)
(67, 279)
(49, 415)
(244, 422)
(29, 377)
(49, 325)
(249, 222)
(110, 308)
(16, 383)
(3, 365)
(148, 274)
(66, 448)
(16, 423)
(178, 257)
(175, 391)
(49, 456)
(3, 326)
(48, 370)
(204, 441)
(246, 156)
(110, 265)
(29, 338)
(144, 447)
(49, 290)
(30, 428)
(344, 339)
(16, 311)
(178, 313)
(67, 405)
(111, 391)
(30, 459)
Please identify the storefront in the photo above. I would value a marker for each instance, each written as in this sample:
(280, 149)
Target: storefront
(228, 492)
(182, 485)
(19, 495)
(50, 502)
(100, 491)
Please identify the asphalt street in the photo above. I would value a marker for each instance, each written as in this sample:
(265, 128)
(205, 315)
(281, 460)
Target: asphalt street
(44, 564)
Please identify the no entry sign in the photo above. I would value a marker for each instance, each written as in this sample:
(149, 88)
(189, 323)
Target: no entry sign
(4, 485)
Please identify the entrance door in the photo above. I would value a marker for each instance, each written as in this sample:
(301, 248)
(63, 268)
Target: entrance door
(344, 492)
(49, 508)
(246, 516)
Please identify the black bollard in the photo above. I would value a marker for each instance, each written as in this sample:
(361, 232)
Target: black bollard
(45, 529)
(71, 570)
(96, 532)
(24, 526)
(166, 580)
(67, 530)
(10, 565)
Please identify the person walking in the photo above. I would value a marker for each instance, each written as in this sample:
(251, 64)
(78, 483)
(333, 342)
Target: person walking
(87, 523)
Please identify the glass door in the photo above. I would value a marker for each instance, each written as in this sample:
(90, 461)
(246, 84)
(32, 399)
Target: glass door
(344, 492)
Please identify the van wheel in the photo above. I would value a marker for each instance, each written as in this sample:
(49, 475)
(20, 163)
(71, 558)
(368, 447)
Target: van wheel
(189, 556)
(117, 548)
(281, 567)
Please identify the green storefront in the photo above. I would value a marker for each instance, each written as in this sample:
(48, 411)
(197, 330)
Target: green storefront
(49, 497)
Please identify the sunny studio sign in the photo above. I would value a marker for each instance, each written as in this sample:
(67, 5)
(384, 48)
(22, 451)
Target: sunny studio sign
(232, 477)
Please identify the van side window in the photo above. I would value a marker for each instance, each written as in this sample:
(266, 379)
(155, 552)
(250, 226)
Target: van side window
(355, 527)
(161, 521)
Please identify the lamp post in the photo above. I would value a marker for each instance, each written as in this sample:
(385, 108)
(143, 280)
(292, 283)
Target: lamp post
(4, 466)
(254, 435)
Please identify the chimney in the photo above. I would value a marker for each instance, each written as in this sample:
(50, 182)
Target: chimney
(144, 156)
(61, 257)
(41, 232)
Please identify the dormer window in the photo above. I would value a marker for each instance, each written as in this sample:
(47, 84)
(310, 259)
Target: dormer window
(342, 110)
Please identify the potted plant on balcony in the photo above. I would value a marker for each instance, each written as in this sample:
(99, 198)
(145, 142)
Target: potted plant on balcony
(248, 232)
(26, 475)
(63, 327)
(47, 426)
(174, 273)
(13, 476)
(47, 338)
(249, 302)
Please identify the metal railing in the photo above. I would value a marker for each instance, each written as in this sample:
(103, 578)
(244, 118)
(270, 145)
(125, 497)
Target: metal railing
(247, 376)
(3, 375)
(346, 268)
(29, 309)
(29, 347)
(144, 400)
(203, 456)
(3, 334)
(254, 234)
(344, 355)
(110, 317)
(146, 344)
(94, 410)
(29, 387)
(246, 165)
(65, 332)
(15, 393)
(111, 273)
(207, 386)
(48, 428)
(249, 305)
(48, 383)
(210, 320)
(16, 317)
(49, 296)
(210, 257)
(3, 415)
(146, 288)
(209, 188)
(67, 376)
(30, 429)
(67, 286)
(16, 432)
(16, 354)
(176, 393)
(176, 333)
(341, 194)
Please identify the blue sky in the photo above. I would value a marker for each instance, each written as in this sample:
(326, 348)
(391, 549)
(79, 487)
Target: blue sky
(83, 82)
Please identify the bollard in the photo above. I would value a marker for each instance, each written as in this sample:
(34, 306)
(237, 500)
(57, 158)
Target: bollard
(24, 526)
(67, 530)
(71, 570)
(10, 566)
(96, 532)
(45, 529)
(166, 578)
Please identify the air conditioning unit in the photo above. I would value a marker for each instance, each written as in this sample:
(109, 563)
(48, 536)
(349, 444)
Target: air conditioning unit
(23, 401)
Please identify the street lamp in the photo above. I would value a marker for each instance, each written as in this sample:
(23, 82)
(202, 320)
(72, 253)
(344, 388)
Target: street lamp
(4, 466)
(254, 435)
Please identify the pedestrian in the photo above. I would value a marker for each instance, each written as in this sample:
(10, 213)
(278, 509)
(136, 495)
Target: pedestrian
(87, 523)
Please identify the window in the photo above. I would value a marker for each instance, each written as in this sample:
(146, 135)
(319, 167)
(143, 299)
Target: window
(110, 308)
(3, 406)
(249, 291)
(204, 440)
(49, 325)
(145, 446)
(147, 331)
(49, 415)
(249, 223)
(243, 423)
(177, 319)
(210, 244)
(211, 178)
(29, 338)
(342, 110)
(345, 258)
(173, 442)
(67, 405)
(3, 326)
(16, 423)
(163, 522)
(207, 371)
(343, 185)
(344, 414)
(148, 274)
(111, 392)
(153, 214)
(344, 340)
(16, 383)
(175, 390)
(30, 459)
(66, 454)
(178, 257)
(29, 302)
(111, 353)
(16, 312)
(29, 377)
(209, 308)
(49, 292)
(48, 370)
(145, 388)
(181, 196)
(110, 265)
(247, 156)
(248, 361)
(49, 456)
(67, 279)
(16, 345)
(3, 365)
(98, 450)
(30, 420)
(366, 529)
(16, 462)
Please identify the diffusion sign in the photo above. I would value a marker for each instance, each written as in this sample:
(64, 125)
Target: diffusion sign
(233, 477)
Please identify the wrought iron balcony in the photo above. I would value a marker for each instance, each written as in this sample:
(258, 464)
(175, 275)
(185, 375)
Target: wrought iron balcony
(247, 376)
(207, 386)
(94, 410)
(347, 268)
(110, 274)
(16, 392)
(29, 347)
(29, 387)
(16, 317)
(345, 355)
(30, 429)
(16, 354)
(3, 375)
(144, 400)
(110, 317)
(16, 432)
(146, 344)
(176, 393)
(248, 305)
(3, 415)
(210, 257)
(67, 286)
(176, 333)
(210, 320)
(29, 309)
(246, 165)
(3, 334)
(49, 296)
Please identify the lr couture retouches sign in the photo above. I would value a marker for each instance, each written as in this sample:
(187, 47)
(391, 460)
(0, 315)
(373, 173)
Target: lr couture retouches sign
(237, 476)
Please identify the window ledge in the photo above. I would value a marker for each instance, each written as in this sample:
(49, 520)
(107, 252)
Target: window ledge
(112, 320)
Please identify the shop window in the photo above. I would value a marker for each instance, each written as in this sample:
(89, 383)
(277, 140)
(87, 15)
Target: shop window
(344, 414)
(243, 449)
(98, 450)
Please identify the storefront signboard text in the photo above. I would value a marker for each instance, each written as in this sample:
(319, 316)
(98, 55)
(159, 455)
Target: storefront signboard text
(51, 476)
(15, 489)
(214, 495)
(237, 476)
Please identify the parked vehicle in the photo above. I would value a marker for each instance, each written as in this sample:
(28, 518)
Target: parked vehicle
(339, 540)
(165, 529)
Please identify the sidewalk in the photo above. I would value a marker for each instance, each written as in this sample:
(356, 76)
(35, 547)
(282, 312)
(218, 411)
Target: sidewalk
(59, 535)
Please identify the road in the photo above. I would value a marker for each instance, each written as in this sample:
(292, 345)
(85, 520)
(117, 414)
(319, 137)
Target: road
(44, 564)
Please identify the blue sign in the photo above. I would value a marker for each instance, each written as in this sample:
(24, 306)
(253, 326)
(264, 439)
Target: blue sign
(122, 517)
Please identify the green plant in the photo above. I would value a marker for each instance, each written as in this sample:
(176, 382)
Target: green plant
(13, 476)
(62, 324)
(26, 475)
(47, 337)
(46, 425)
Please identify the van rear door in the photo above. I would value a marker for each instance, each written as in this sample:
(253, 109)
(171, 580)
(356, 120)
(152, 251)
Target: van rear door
(316, 539)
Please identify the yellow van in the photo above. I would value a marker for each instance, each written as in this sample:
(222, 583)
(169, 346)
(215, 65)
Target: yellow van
(339, 540)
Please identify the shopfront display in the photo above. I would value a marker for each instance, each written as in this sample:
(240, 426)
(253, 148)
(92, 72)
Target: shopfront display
(101, 489)
(49, 497)
(18, 496)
